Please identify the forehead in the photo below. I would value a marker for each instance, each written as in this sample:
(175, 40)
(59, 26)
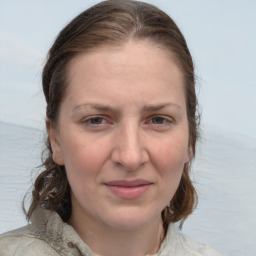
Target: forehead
(134, 68)
(146, 55)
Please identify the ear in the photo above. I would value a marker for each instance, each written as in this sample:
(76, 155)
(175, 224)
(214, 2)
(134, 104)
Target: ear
(188, 155)
(55, 145)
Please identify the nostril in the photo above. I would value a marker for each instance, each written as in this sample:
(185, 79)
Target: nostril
(130, 161)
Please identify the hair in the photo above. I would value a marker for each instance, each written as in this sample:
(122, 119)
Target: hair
(113, 22)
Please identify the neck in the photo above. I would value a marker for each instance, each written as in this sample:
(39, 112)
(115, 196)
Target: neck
(108, 241)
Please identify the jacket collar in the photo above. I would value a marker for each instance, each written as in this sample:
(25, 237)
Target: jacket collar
(49, 226)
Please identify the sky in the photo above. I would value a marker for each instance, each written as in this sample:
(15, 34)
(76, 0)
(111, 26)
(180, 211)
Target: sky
(220, 34)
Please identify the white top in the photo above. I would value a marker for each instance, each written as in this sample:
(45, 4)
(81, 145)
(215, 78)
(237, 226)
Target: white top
(178, 244)
(49, 235)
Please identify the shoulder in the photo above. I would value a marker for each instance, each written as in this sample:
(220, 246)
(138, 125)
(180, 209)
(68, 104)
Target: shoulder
(182, 245)
(198, 248)
(23, 242)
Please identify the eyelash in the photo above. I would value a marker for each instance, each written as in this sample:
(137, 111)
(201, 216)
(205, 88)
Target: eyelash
(103, 120)
(165, 121)
(88, 121)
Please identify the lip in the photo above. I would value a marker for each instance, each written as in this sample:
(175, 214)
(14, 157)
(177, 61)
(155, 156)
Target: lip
(128, 189)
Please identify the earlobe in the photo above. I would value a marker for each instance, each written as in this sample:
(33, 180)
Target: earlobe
(55, 145)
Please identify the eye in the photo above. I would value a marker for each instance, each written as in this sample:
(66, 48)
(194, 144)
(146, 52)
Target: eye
(159, 121)
(95, 121)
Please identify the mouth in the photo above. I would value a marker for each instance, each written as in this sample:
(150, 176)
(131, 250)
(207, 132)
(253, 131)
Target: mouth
(126, 189)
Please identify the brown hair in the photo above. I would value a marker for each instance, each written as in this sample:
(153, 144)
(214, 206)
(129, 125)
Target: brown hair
(112, 22)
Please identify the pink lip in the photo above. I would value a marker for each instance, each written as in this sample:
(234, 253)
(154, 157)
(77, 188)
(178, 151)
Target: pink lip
(125, 189)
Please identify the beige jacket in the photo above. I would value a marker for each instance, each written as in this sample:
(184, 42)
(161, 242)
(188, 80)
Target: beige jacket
(49, 235)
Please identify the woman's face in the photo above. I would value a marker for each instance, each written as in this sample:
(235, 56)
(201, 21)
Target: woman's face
(122, 134)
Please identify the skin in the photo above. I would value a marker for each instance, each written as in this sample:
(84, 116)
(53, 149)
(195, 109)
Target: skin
(123, 118)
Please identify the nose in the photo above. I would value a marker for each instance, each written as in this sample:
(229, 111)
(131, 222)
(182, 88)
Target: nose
(129, 149)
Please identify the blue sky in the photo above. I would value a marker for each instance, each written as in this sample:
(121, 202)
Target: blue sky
(220, 34)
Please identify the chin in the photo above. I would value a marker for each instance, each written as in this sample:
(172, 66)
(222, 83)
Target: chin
(132, 219)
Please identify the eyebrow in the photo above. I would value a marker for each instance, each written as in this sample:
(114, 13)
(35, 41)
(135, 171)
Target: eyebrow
(106, 108)
(152, 108)
(99, 107)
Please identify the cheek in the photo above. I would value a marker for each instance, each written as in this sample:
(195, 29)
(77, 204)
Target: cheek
(83, 160)
(169, 159)
(171, 155)
(170, 172)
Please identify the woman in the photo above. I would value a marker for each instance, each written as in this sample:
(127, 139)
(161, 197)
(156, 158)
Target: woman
(122, 125)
